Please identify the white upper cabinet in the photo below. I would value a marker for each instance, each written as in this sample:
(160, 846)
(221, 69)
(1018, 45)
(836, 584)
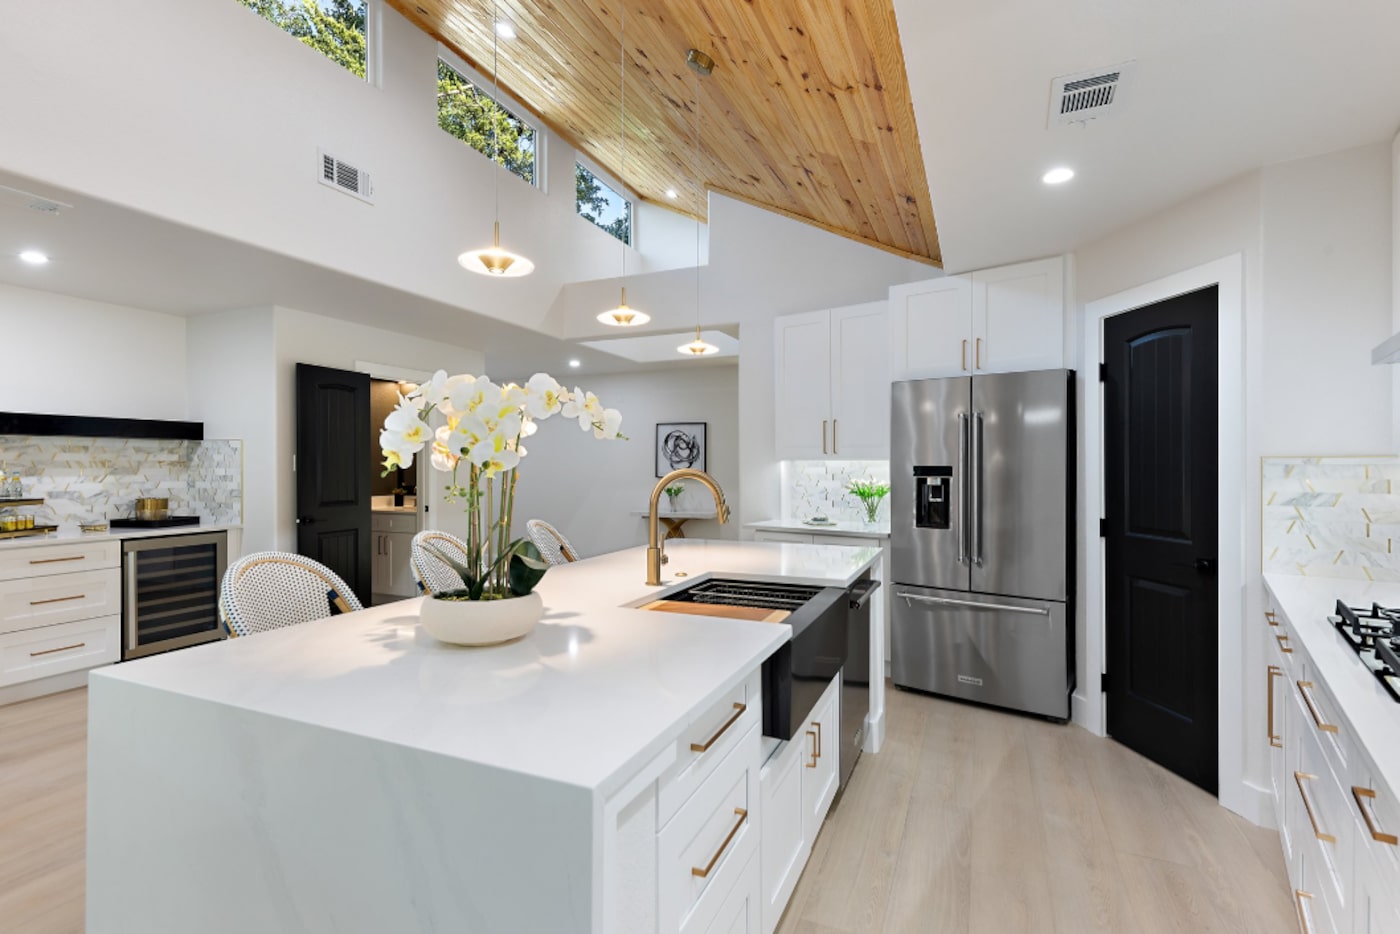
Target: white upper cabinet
(1003, 320)
(833, 386)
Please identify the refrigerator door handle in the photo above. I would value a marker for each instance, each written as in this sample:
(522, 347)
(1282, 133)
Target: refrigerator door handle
(976, 489)
(963, 532)
(968, 604)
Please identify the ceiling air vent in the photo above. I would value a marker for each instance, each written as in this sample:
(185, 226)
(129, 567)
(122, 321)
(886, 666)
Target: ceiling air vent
(342, 176)
(1089, 95)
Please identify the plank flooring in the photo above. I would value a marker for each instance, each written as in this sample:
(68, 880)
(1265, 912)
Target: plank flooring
(969, 820)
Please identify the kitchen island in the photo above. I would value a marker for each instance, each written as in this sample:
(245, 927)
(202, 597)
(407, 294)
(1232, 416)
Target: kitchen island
(353, 775)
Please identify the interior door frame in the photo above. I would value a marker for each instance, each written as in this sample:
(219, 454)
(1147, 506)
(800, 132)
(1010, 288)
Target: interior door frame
(1090, 709)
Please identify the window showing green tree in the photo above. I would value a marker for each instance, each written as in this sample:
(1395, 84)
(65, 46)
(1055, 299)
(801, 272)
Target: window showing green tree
(335, 28)
(598, 202)
(469, 114)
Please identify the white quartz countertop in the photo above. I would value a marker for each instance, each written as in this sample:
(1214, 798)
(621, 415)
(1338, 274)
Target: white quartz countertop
(880, 529)
(1306, 602)
(593, 693)
(71, 535)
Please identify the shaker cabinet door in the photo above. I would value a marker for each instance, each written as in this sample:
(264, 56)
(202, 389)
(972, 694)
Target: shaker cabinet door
(930, 329)
(1018, 317)
(802, 388)
(860, 382)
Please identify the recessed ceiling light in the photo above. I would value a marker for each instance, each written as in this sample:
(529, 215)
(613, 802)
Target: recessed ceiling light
(1057, 176)
(505, 30)
(672, 193)
(34, 257)
(575, 364)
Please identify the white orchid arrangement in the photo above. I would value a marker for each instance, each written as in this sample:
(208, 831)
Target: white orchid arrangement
(481, 430)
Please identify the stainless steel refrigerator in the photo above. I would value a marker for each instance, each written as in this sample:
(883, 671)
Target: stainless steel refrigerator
(982, 533)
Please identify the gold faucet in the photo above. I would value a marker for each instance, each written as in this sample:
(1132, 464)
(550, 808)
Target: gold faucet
(656, 555)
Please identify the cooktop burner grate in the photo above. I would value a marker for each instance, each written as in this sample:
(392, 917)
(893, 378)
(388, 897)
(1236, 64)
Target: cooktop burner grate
(1373, 633)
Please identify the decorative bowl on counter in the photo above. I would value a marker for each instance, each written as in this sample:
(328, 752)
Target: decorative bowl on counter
(481, 622)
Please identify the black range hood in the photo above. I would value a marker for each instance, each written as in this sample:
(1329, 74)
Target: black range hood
(95, 426)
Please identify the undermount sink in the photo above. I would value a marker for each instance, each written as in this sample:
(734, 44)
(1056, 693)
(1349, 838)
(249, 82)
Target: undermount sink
(752, 600)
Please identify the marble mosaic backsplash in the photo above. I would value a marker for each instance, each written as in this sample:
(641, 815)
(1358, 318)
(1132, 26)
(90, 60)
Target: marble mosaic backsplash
(1332, 517)
(93, 479)
(819, 487)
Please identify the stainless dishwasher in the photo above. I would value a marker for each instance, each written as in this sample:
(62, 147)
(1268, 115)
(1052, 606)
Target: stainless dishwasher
(170, 591)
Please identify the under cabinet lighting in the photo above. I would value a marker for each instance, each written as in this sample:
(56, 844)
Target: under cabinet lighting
(1057, 176)
(34, 257)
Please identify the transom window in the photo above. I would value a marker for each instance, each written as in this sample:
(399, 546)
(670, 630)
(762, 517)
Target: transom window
(335, 28)
(597, 201)
(470, 114)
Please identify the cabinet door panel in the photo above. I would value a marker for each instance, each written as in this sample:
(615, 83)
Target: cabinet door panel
(783, 845)
(930, 328)
(399, 546)
(821, 750)
(860, 382)
(802, 399)
(1018, 317)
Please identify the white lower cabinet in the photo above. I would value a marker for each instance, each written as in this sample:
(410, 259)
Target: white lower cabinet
(30, 654)
(799, 782)
(741, 912)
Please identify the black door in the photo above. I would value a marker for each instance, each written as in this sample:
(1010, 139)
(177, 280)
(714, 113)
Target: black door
(333, 472)
(1161, 468)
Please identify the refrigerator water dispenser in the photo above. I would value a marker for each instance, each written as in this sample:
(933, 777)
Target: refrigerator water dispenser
(931, 497)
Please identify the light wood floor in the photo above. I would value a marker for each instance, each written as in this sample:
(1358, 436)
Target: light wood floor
(967, 821)
(970, 820)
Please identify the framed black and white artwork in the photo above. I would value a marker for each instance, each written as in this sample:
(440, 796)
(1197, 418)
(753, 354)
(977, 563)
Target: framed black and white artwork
(678, 445)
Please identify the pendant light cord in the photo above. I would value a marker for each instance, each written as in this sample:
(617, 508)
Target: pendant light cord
(622, 126)
(697, 205)
(496, 117)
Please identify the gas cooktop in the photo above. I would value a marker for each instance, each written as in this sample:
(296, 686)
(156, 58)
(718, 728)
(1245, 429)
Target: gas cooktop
(1374, 635)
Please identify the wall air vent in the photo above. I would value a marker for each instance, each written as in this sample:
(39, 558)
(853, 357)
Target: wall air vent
(342, 176)
(1089, 95)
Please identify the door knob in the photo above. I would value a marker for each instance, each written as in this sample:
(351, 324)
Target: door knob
(306, 520)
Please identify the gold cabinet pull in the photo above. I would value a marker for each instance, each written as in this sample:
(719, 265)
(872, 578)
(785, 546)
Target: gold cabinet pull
(1307, 806)
(1304, 688)
(824, 436)
(835, 448)
(57, 600)
(964, 357)
(699, 873)
(705, 747)
(1283, 645)
(1274, 739)
(815, 753)
(818, 728)
(1271, 617)
(1298, 896)
(76, 645)
(979, 353)
(1362, 795)
(56, 560)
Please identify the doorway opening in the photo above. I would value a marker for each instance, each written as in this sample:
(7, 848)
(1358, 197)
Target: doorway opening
(394, 503)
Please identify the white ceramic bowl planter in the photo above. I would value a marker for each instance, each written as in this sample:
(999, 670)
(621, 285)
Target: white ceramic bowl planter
(481, 622)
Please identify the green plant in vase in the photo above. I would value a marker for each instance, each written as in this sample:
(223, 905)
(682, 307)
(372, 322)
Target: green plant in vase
(870, 493)
(673, 494)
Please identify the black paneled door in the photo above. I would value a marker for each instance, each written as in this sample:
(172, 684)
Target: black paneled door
(333, 472)
(1161, 481)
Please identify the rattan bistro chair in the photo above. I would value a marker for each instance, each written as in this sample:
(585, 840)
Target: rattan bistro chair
(432, 574)
(272, 589)
(553, 546)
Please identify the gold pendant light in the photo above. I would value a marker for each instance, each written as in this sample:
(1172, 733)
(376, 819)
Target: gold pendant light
(701, 64)
(492, 260)
(623, 316)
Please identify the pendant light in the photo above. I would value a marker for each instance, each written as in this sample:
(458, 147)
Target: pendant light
(623, 316)
(492, 260)
(701, 64)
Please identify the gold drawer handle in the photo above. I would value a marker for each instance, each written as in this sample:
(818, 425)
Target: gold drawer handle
(818, 728)
(57, 560)
(743, 815)
(1303, 687)
(705, 747)
(1271, 617)
(81, 596)
(1362, 795)
(979, 353)
(1298, 896)
(835, 449)
(76, 645)
(1307, 806)
(1283, 645)
(1274, 739)
(964, 359)
(815, 753)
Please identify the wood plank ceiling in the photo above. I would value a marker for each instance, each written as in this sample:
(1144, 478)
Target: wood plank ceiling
(807, 112)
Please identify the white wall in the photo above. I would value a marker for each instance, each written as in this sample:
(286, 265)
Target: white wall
(306, 338)
(1314, 237)
(588, 489)
(69, 356)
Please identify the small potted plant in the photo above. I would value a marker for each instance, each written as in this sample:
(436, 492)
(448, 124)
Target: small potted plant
(478, 441)
(870, 493)
(673, 493)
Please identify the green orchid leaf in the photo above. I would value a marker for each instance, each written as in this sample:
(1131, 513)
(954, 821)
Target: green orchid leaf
(526, 567)
(462, 570)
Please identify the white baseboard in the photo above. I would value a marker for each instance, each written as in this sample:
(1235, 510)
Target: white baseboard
(55, 684)
(1081, 716)
(1254, 804)
(874, 733)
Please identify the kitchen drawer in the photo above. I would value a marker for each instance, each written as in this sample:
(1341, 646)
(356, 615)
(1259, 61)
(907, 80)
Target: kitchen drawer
(394, 523)
(1377, 813)
(1313, 914)
(1377, 907)
(1324, 720)
(705, 742)
(40, 560)
(28, 603)
(709, 846)
(54, 650)
(1326, 821)
(740, 912)
(766, 535)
